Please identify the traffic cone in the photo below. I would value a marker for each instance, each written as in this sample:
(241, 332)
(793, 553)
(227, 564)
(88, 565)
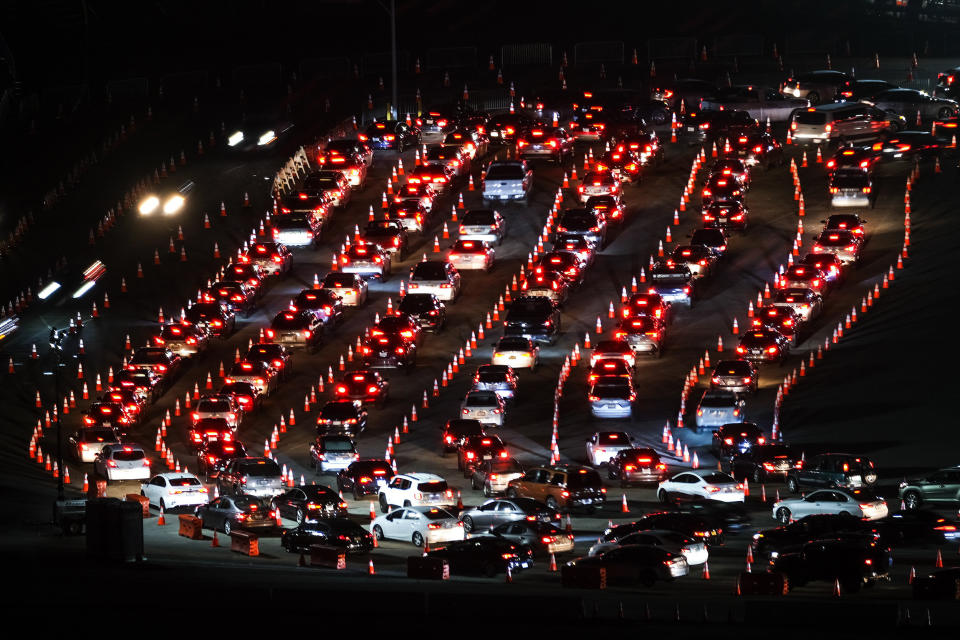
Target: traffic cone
(586, 343)
(370, 570)
(939, 561)
(819, 155)
(553, 563)
(161, 520)
(912, 576)
(436, 244)
(706, 571)
(86, 484)
(836, 587)
(624, 508)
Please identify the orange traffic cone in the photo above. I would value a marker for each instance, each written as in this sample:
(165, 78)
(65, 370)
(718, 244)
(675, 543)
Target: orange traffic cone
(161, 521)
(370, 569)
(706, 570)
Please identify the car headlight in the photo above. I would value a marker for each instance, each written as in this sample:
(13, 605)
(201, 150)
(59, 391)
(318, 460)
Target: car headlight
(148, 205)
(266, 138)
(173, 204)
(235, 138)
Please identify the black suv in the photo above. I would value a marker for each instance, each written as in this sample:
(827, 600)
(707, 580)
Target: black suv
(833, 470)
(426, 309)
(818, 526)
(533, 317)
(456, 431)
(851, 562)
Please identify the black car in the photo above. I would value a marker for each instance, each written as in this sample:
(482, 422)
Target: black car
(819, 526)
(854, 563)
(456, 431)
(297, 328)
(340, 533)
(245, 394)
(722, 188)
(583, 222)
(486, 556)
(342, 416)
(207, 430)
(833, 470)
(365, 477)
(388, 352)
(636, 465)
(696, 526)
(146, 384)
(736, 437)
(389, 234)
(391, 134)
(699, 127)
(543, 538)
(533, 317)
(763, 462)
(275, 355)
(309, 502)
(215, 452)
(942, 584)
(757, 148)
(323, 303)
(237, 296)
(426, 309)
(217, 318)
(917, 526)
(908, 145)
(228, 513)
(673, 282)
(636, 563)
(475, 450)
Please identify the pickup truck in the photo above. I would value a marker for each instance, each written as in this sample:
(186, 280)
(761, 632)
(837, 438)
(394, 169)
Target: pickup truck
(504, 181)
(760, 102)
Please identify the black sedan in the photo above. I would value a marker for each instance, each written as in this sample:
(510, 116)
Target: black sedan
(762, 462)
(542, 537)
(340, 533)
(308, 503)
(485, 556)
(703, 529)
(365, 477)
(635, 563)
(426, 309)
(216, 452)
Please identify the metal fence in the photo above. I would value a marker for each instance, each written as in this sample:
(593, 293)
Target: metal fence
(671, 48)
(129, 88)
(186, 82)
(323, 68)
(540, 53)
(451, 58)
(258, 76)
(372, 63)
(597, 52)
(743, 46)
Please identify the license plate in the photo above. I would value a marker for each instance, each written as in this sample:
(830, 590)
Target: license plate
(722, 220)
(481, 413)
(690, 129)
(383, 354)
(488, 457)
(756, 352)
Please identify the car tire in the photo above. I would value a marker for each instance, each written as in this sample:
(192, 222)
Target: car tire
(468, 524)
(384, 505)
(944, 113)
(227, 527)
(911, 500)
(298, 516)
(814, 98)
(487, 492)
(663, 496)
(417, 539)
(757, 476)
(512, 493)
(551, 503)
(792, 486)
(377, 532)
(783, 515)
(356, 494)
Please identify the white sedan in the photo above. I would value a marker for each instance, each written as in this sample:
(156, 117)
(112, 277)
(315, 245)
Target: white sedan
(418, 525)
(603, 446)
(859, 503)
(703, 485)
(692, 549)
(485, 406)
(471, 254)
(169, 490)
(516, 352)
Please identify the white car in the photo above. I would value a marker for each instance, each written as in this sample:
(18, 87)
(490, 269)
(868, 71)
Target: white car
(516, 352)
(122, 462)
(351, 288)
(217, 407)
(692, 549)
(485, 406)
(88, 442)
(169, 490)
(856, 502)
(603, 446)
(419, 525)
(704, 485)
(485, 225)
(439, 278)
(471, 254)
(415, 490)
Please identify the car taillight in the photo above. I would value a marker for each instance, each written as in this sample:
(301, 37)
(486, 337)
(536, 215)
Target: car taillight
(771, 349)
(828, 128)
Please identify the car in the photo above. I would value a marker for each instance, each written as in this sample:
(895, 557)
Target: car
(217, 406)
(214, 317)
(603, 446)
(145, 384)
(834, 471)
(842, 122)
(398, 325)
(296, 229)
(439, 119)
(391, 134)
(805, 303)
(450, 157)
(368, 387)
(611, 349)
(351, 288)
(913, 103)
(390, 235)
(829, 263)
(694, 525)
(425, 309)
(333, 452)
(264, 378)
(846, 245)
(910, 146)
(496, 511)
(700, 485)
(296, 328)
(851, 188)
(731, 215)
(388, 351)
(941, 486)
(126, 397)
(207, 430)
(416, 490)
(161, 361)
(694, 551)
(437, 168)
(342, 417)
(763, 345)
(940, 584)
(598, 183)
(543, 538)
(917, 526)
(506, 181)
(486, 555)
(758, 149)
(365, 477)
(107, 414)
(636, 464)
(440, 278)
(504, 127)
(248, 273)
(485, 406)
(698, 258)
(246, 395)
(274, 258)
(339, 533)
(727, 167)
(312, 200)
(847, 222)
(817, 86)
(239, 512)
(565, 262)
(259, 477)
(174, 489)
(308, 502)
(494, 475)
(782, 319)
(353, 168)
(484, 225)
(532, 317)
(560, 487)
(790, 538)
(850, 563)
(346, 148)
(545, 142)
(471, 254)
(182, 338)
(586, 223)
(238, 296)
(738, 376)
(417, 195)
(121, 461)
(611, 397)
(577, 244)
(366, 260)
(722, 188)
(736, 438)
(857, 502)
(850, 157)
(516, 353)
(712, 126)
(499, 378)
(323, 303)
(411, 213)
(644, 334)
(552, 285)
(684, 91)
(636, 564)
(609, 368)
(474, 450)
(273, 354)
(215, 454)
(718, 407)
(421, 524)
(89, 441)
(625, 165)
(712, 238)
(473, 143)
(674, 283)
(760, 102)
(456, 431)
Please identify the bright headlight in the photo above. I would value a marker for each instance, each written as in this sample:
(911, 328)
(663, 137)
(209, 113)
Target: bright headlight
(266, 138)
(235, 138)
(148, 205)
(173, 204)
(48, 290)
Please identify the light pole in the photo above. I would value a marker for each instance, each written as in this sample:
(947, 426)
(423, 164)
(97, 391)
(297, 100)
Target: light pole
(393, 54)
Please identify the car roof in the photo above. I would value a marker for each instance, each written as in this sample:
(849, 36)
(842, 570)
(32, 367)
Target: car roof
(422, 477)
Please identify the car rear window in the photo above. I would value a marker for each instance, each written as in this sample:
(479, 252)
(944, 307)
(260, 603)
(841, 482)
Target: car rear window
(507, 466)
(213, 405)
(184, 482)
(531, 305)
(129, 455)
(850, 181)
(338, 411)
(478, 218)
(621, 391)
(491, 376)
(290, 221)
(811, 117)
(505, 172)
(416, 303)
(248, 503)
(337, 282)
(98, 435)
(513, 344)
(717, 478)
(481, 400)
(718, 400)
(261, 468)
(289, 321)
(584, 479)
(433, 487)
(337, 444)
(429, 271)
(613, 439)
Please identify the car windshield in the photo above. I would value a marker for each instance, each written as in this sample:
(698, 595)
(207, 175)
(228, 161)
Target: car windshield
(429, 271)
(338, 411)
(505, 172)
(261, 468)
(434, 487)
(338, 444)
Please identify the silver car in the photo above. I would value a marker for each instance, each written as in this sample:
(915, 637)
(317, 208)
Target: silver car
(496, 511)
(816, 86)
(493, 476)
(909, 102)
(806, 303)
(486, 225)
(485, 406)
(125, 461)
(183, 339)
(507, 181)
(737, 376)
(719, 407)
(498, 378)
(611, 398)
(439, 278)
(89, 442)
(760, 102)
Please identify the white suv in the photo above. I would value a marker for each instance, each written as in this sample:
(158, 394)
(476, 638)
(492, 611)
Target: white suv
(414, 490)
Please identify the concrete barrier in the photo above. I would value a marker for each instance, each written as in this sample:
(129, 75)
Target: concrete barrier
(328, 557)
(426, 568)
(144, 502)
(190, 527)
(245, 542)
(583, 577)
